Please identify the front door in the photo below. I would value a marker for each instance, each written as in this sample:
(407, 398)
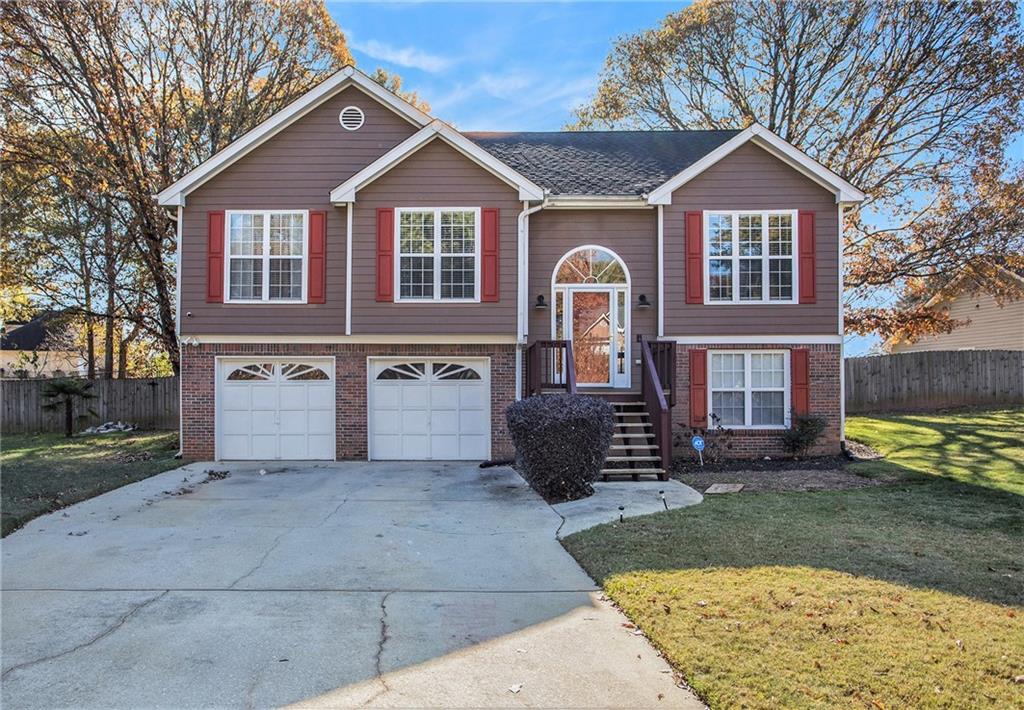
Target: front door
(597, 320)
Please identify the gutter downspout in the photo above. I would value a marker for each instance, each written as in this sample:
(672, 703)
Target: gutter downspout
(661, 271)
(522, 328)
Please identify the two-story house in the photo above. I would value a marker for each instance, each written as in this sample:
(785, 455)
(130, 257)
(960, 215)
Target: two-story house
(360, 280)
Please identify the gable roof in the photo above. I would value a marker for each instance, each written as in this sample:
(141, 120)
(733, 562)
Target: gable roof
(31, 335)
(346, 191)
(174, 194)
(621, 163)
(784, 151)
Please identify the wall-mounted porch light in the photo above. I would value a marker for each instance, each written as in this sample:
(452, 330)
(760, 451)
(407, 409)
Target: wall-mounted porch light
(541, 304)
(643, 302)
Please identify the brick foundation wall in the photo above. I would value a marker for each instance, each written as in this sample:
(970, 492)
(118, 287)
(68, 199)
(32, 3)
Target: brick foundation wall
(825, 364)
(198, 372)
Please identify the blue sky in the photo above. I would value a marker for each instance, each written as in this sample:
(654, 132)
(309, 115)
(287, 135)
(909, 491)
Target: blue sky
(503, 66)
(494, 66)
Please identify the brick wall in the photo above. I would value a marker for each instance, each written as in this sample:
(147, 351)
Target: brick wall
(755, 443)
(198, 385)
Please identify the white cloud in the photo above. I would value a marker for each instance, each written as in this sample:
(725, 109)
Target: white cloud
(403, 56)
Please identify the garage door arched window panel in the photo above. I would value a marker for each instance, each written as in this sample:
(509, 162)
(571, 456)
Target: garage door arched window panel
(275, 408)
(248, 373)
(404, 371)
(300, 371)
(590, 289)
(448, 371)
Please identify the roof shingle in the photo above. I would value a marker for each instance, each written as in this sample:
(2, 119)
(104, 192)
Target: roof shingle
(600, 162)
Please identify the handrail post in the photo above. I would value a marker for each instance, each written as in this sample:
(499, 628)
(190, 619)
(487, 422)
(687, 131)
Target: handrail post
(570, 369)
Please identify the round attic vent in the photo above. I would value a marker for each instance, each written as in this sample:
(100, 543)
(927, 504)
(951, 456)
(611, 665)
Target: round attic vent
(351, 118)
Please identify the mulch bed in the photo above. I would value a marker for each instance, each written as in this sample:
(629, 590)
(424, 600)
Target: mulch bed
(773, 475)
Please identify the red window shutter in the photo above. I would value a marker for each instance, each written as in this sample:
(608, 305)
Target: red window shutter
(699, 388)
(489, 255)
(694, 257)
(806, 252)
(215, 257)
(316, 291)
(800, 380)
(385, 254)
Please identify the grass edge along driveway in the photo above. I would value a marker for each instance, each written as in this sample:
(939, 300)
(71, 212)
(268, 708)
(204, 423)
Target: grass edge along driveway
(40, 473)
(904, 595)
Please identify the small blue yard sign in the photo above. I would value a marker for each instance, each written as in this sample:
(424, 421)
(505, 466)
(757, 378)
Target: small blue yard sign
(697, 442)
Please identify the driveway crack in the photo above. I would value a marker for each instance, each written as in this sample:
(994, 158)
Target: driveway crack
(122, 620)
(263, 559)
(377, 659)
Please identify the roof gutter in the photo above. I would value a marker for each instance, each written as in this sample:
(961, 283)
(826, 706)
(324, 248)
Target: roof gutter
(599, 202)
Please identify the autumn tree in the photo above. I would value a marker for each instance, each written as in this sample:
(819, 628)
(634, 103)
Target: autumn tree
(913, 102)
(152, 88)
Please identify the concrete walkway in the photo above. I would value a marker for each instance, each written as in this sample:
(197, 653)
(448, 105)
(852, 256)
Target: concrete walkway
(334, 585)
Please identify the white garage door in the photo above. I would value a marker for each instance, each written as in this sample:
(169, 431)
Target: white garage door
(430, 409)
(275, 409)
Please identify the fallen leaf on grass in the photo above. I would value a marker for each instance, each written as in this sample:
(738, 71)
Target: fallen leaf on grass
(515, 688)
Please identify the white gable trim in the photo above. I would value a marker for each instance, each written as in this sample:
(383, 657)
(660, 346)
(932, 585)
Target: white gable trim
(174, 195)
(346, 191)
(763, 138)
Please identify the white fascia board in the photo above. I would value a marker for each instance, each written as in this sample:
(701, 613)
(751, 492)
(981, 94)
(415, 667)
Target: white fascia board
(174, 195)
(756, 339)
(346, 191)
(762, 137)
(361, 339)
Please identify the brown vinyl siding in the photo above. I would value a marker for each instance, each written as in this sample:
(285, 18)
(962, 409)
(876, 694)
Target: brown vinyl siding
(632, 234)
(751, 178)
(436, 175)
(991, 326)
(295, 169)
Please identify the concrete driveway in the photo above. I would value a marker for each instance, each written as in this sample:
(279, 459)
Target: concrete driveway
(334, 585)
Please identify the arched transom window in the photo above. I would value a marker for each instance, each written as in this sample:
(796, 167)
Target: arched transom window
(590, 265)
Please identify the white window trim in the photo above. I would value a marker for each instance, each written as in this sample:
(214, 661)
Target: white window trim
(735, 258)
(399, 211)
(266, 300)
(748, 389)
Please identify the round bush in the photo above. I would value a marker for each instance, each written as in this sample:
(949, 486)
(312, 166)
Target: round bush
(561, 442)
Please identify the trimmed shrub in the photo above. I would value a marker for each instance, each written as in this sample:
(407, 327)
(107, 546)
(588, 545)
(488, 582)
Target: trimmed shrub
(803, 432)
(561, 443)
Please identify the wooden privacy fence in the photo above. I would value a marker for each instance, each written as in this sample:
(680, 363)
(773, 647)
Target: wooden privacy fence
(934, 380)
(152, 403)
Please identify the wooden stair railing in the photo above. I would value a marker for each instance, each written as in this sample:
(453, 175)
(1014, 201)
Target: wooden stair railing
(652, 387)
(550, 366)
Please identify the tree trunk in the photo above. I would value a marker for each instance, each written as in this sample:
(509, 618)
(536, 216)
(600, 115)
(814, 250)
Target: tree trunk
(122, 355)
(90, 331)
(110, 276)
(68, 417)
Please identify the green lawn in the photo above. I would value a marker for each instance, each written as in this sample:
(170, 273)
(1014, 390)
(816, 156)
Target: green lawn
(904, 595)
(40, 473)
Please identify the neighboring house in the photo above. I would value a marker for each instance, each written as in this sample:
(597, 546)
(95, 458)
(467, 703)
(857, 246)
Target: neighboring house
(359, 279)
(989, 324)
(38, 348)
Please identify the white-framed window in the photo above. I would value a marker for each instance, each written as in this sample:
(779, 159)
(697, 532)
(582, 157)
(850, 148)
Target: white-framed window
(749, 389)
(266, 256)
(438, 254)
(750, 256)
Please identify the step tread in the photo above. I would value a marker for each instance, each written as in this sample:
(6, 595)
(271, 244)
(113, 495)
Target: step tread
(630, 424)
(626, 459)
(624, 447)
(630, 471)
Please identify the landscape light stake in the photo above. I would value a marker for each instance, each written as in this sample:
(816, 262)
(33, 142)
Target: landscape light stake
(621, 508)
(663, 501)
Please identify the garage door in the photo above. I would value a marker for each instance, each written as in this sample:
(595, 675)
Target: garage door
(275, 409)
(430, 409)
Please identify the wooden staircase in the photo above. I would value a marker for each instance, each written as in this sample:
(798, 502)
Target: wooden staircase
(642, 443)
(633, 452)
